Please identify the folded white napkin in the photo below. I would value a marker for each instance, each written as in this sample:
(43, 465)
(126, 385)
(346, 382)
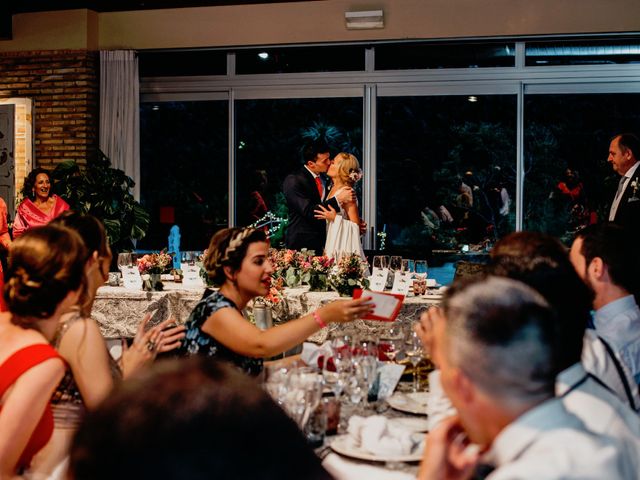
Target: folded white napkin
(378, 436)
(311, 352)
(342, 469)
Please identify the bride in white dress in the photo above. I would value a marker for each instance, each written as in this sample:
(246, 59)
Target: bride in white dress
(343, 227)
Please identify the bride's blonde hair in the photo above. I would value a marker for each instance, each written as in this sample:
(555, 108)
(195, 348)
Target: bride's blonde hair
(348, 169)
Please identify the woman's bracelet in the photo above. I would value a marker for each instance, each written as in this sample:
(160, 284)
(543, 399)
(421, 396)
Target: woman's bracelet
(318, 320)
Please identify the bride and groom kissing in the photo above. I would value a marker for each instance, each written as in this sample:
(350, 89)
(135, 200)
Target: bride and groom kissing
(324, 216)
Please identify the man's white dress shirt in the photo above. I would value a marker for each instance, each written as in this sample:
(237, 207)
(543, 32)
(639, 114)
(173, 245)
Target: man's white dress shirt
(547, 442)
(618, 322)
(610, 370)
(600, 410)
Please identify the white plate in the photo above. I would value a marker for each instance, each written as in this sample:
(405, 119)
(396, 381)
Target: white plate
(414, 402)
(342, 444)
(413, 424)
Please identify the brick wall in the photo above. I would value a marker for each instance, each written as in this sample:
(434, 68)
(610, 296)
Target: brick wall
(63, 86)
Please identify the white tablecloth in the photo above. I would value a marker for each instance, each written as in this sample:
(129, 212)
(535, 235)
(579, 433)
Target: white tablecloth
(119, 311)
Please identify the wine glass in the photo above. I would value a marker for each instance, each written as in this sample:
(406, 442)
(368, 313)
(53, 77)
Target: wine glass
(395, 263)
(380, 261)
(391, 342)
(408, 265)
(414, 352)
(421, 268)
(124, 260)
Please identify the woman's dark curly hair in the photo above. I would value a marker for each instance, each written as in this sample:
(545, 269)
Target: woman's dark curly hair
(228, 248)
(30, 182)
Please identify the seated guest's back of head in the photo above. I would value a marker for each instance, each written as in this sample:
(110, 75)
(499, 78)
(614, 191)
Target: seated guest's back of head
(191, 419)
(542, 262)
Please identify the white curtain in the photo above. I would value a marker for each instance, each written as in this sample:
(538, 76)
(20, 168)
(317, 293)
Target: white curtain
(119, 112)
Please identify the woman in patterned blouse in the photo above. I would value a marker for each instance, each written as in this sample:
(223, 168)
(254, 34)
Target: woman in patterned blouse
(238, 262)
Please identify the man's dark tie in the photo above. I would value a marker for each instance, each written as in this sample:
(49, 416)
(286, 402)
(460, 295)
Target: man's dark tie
(320, 187)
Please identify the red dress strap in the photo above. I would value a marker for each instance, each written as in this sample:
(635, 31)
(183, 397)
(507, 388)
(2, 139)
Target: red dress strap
(10, 370)
(21, 361)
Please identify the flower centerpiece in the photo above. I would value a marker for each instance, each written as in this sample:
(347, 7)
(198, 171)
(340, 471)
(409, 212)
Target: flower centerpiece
(290, 265)
(348, 275)
(151, 266)
(318, 270)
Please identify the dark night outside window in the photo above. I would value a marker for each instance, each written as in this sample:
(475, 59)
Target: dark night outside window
(436, 55)
(567, 142)
(182, 63)
(343, 58)
(184, 173)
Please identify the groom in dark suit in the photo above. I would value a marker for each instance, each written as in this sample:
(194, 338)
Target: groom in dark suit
(624, 151)
(304, 191)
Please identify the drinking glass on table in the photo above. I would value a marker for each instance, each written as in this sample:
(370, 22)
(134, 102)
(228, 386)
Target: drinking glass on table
(391, 342)
(380, 261)
(421, 268)
(124, 260)
(408, 265)
(414, 352)
(395, 263)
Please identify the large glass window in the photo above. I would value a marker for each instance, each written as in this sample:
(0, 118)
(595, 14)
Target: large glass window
(568, 182)
(582, 52)
(182, 63)
(343, 58)
(444, 55)
(446, 170)
(270, 136)
(184, 170)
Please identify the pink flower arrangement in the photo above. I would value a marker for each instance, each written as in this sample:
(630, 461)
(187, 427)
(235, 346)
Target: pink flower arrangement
(154, 263)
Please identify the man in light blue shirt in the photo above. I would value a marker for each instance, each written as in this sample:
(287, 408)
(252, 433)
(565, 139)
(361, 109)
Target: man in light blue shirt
(604, 256)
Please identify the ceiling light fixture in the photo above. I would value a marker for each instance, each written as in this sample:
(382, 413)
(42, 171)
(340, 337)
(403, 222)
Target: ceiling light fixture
(364, 20)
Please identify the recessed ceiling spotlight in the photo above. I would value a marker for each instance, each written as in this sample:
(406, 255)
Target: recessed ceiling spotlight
(472, 98)
(263, 55)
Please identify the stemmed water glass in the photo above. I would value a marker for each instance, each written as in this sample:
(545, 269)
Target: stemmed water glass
(408, 265)
(124, 260)
(380, 261)
(414, 352)
(391, 342)
(421, 268)
(395, 263)
(335, 370)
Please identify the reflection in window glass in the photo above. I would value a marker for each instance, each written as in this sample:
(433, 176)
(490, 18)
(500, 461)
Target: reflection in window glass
(184, 173)
(270, 136)
(446, 171)
(344, 58)
(437, 55)
(568, 182)
(582, 52)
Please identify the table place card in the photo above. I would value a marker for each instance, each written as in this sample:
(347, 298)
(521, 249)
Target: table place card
(401, 283)
(131, 278)
(431, 282)
(378, 279)
(387, 305)
(191, 276)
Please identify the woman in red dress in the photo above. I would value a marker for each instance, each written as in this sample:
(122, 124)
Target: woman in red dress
(39, 206)
(45, 279)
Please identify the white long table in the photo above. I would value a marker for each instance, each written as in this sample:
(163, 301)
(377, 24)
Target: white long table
(119, 311)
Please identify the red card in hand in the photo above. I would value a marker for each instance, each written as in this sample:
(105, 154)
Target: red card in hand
(387, 307)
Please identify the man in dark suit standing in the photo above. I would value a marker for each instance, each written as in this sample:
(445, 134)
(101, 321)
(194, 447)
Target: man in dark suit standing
(304, 191)
(624, 152)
